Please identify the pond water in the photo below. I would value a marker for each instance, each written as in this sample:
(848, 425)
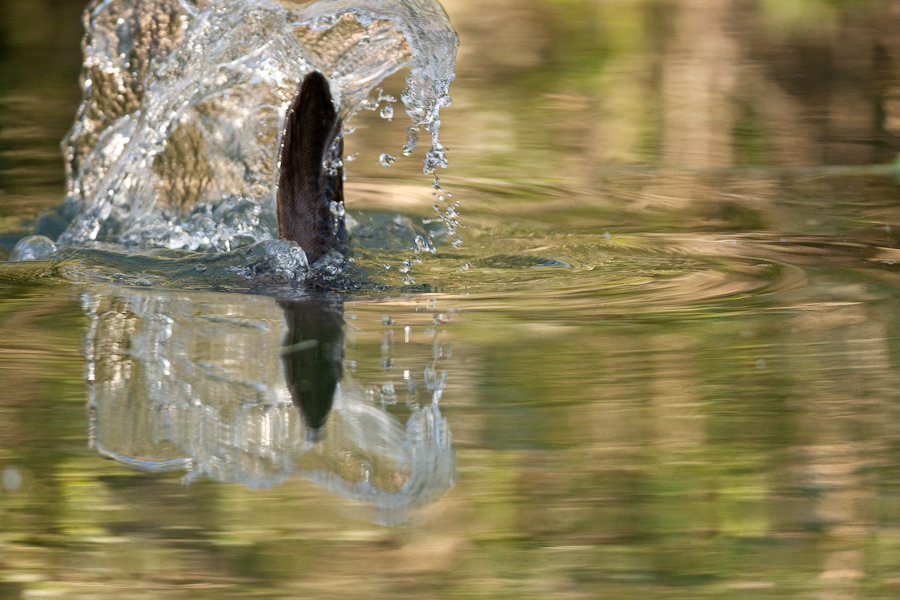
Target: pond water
(664, 361)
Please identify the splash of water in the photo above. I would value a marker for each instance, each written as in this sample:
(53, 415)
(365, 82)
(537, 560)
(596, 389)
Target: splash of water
(176, 140)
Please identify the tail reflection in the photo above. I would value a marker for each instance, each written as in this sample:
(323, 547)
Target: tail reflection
(313, 356)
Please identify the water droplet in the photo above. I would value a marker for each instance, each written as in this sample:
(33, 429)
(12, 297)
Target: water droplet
(387, 112)
(412, 140)
(386, 320)
(201, 268)
(364, 40)
(386, 160)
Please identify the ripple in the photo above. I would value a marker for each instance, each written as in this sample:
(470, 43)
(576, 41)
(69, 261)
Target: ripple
(641, 274)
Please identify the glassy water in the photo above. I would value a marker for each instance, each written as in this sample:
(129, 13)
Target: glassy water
(663, 362)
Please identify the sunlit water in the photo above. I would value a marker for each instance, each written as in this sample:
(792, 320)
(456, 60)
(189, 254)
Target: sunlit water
(663, 363)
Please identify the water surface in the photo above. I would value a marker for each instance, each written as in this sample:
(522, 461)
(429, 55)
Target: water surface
(665, 355)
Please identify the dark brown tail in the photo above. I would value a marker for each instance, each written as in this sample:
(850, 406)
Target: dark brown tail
(308, 181)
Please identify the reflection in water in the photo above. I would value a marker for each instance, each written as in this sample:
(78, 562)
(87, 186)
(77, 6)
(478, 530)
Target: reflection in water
(313, 355)
(197, 382)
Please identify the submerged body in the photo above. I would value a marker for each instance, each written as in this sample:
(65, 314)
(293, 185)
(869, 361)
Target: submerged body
(310, 188)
